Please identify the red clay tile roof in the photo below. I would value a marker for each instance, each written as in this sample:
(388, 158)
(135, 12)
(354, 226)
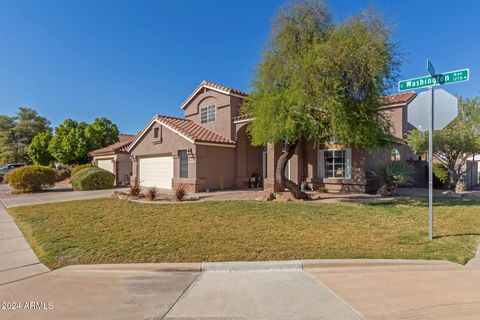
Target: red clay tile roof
(192, 130)
(223, 88)
(215, 86)
(121, 146)
(397, 98)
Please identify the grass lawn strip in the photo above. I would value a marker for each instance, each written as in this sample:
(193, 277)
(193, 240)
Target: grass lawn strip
(118, 231)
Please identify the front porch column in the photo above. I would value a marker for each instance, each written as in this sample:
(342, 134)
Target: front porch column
(273, 153)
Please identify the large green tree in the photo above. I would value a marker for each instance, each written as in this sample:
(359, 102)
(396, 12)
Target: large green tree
(102, 132)
(454, 144)
(321, 81)
(73, 141)
(38, 149)
(17, 132)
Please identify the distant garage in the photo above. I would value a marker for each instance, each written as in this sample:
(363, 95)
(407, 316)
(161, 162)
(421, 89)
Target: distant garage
(156, 172)
(115, 159)
(106, 164)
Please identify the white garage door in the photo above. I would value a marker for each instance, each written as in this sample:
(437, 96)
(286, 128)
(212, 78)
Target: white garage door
(156, 172)
(106, 164)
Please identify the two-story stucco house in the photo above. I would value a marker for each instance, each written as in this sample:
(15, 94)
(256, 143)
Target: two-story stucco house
(209, 149)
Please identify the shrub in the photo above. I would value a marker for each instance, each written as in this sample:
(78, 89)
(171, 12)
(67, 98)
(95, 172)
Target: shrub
(180, 192)
(92, 178)
(440, 175)
(79, 168)
(32, 178)
(151, 194)
(135, 190)
(1, 177)
(63, 174)
(394, 174)
(322, 190)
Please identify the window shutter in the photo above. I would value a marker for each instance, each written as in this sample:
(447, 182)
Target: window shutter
(321, 164)
(348, 163)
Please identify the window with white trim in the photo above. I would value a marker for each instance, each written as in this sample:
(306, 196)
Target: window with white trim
(335, 164)
(207, 114)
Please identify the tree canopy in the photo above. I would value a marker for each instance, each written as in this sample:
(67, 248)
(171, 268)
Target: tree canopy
(38, 149)
(17, 132)
(454, 144)
(321, 81)
(73, 141)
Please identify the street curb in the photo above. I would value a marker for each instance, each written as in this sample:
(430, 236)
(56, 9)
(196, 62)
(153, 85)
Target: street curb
(138, 267)
(256, 265)
(351, 263)
(252, 266)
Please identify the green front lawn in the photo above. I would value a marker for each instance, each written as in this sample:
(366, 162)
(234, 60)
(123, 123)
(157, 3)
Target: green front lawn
(117, 231)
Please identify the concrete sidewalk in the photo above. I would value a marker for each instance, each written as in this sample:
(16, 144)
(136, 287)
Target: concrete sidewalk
(52, 196)
(17, 259)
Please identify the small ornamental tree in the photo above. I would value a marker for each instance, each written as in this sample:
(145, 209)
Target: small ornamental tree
(321, 81)
(38, 149)
(454, 144)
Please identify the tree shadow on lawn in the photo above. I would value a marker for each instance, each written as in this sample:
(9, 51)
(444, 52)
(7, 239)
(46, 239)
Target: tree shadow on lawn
(457, 235)
(423, 201)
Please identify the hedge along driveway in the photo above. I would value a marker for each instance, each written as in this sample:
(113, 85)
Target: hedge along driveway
(117, 231)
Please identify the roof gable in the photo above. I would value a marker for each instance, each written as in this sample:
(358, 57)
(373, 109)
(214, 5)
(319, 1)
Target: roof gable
(214, 87)
(187, 129)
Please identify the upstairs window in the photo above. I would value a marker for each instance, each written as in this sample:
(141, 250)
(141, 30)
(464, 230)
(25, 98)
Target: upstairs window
(207, 114)
(156, 132)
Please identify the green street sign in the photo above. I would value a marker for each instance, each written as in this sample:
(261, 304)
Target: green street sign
(429, 81)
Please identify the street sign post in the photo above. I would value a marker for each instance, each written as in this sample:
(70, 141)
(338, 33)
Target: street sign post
(435, 80)
(431, 82)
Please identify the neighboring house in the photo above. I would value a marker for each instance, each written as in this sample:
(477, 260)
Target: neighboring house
(115, 158)
(209, 149)
(471, 179)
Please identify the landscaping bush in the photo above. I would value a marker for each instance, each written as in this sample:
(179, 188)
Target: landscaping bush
(79, 168)
(135, 190)
(63, 174)
(32, 178)
(393, 175)
(92, 178)
(180, 192)
(151, 194)
(1, 177)
(440, 175)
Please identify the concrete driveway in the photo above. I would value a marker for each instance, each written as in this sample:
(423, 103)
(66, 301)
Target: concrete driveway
(443, 291)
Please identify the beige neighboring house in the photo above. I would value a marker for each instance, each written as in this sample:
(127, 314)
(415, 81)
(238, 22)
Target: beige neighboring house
(209, 149)
(115, 158)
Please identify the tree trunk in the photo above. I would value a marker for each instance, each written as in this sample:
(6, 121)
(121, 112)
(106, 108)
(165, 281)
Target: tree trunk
(280, 172)
(452, 177)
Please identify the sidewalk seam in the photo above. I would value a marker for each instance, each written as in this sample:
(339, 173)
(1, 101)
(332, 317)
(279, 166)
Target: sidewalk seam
(355, 311)
(184, 292)
(26, 265)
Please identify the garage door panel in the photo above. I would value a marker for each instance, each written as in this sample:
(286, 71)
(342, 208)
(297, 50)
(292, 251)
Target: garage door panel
(106, 164)
(156, 172)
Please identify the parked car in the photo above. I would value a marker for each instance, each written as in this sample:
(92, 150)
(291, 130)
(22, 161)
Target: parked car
(9, 167)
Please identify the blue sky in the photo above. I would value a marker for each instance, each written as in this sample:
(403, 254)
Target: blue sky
(130, 60)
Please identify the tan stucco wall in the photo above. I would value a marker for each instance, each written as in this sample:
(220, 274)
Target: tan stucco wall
(226, 108)
(216, 167)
